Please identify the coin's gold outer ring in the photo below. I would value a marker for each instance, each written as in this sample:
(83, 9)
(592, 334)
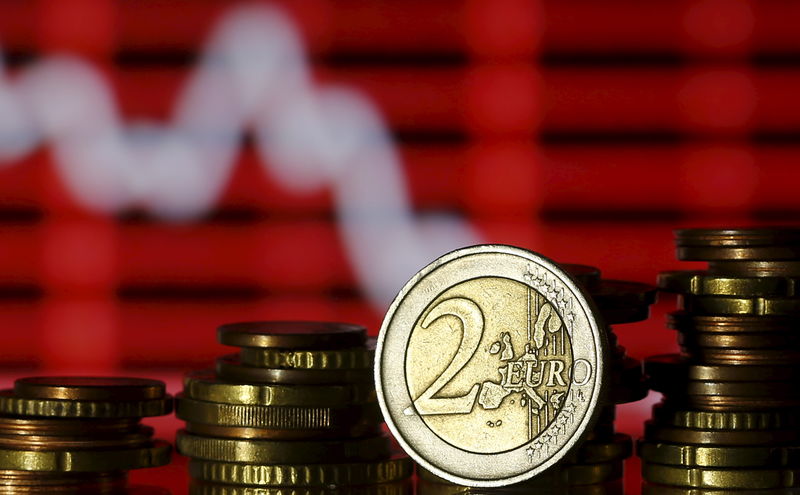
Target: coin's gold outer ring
(411, 432)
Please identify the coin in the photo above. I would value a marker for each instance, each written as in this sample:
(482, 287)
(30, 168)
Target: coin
(588, 276)
(756, 357)
(589, 474)
(337, 359)
(708, 284)
(10, 404)
(730, 305)
(275, 417)
(204, 385)
(89, 388)
(331, 475)
(86, 460)
(67, 427)
(758, 244)
(755, 268)
(292, 334)
(621, 293)
(724, 420)
(651, 489)
(202, 488)
(735, 402)
(592, 452)
(140, 437)
(364, 428)
(670, 434)
(727, 324)
(490, 365)
(672, 368)
(229, 367)
(281, 451)
(716, 456)
(762, 340)
(721, 478)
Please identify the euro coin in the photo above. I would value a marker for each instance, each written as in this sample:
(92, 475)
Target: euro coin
(780, 340)
(229, 367)
(725, 420)
(713, 456)
(755, 268)
(672, 367)
(740, 305)
(57, 408)
(89, 388)
(709, 284)
(292, 335)
(490, 366)
(757, 244)
(750, 357)
(593, 452)
(329, 475)
(86, 460)
(335, 359)
(621, 293)
(669, 434)
(203, 488)
(205, 386)
(752, 479)
(360, 429)
(729, 324)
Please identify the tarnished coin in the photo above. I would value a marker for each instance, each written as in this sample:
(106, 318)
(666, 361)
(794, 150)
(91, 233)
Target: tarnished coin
(490, 365)
(740, 305)
(666, 368)
(669, 415)
(717, 456)
(588, 276)
(594, 451)
(205, 386)
(292, 334)
(758, 244)
(709, 284)
(750, 357)
(755, 268)
(728, 324)
(320, 359)
(89, 388)
(230, 367)
(777, 340)
(330, 475)
(721, 478)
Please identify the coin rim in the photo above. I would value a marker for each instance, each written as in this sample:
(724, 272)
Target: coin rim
(597, 329)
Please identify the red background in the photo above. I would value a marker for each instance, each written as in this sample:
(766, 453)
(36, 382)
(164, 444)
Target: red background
(584, 130)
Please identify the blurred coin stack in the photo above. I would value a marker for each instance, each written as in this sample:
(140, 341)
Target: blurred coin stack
(600, 459)
(729, 415)
(79, 434)
(596, 465)
(295, 409)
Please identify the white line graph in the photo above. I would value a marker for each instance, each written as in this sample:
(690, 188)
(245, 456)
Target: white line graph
(252, 76)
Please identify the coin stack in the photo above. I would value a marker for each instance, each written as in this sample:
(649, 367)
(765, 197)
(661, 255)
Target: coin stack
(294, 409)
(729, 415)
(79, 434)
(599, 460)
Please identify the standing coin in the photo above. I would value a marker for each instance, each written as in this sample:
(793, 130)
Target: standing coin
(490, 366)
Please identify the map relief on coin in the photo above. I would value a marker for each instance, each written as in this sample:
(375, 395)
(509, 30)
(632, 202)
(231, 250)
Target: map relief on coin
(490, 364)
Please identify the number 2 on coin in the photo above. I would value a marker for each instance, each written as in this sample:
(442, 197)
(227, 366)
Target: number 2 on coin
(471, 318)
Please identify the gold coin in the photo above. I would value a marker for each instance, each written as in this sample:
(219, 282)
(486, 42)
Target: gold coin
(724, 420)
(204, 385)
(589, 474)
(592, 452)
(727, 324)
(730, 305)
(665, 367)
(749, 357)
(669, 434)
(756, 479)
(396, 488)
(490, 366)
(66, 427)
(275, 417)
(292, 334)
(781, 340)
(86, 460)
(243, 432)
(10, 404)
(651, 489)
(551, 477)
(330, 475)
(280, 451)
(734, 403)
(715, 456)
(758, 244)
(89, 388)
(229, 367)
(336, 359)
(140, 437)
(755, 268)
(709, 284)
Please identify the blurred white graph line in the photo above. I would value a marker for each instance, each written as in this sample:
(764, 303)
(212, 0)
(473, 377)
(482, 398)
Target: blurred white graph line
(253, 76)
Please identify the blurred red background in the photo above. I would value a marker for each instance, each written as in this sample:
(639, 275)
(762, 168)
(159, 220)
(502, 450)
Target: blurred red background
(584, 130)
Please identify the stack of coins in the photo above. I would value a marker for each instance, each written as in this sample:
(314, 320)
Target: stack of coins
(78, 434)
(729, 415)
(294, 409)
(600, 459)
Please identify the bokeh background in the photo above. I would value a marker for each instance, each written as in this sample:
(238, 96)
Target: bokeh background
(170, 165)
